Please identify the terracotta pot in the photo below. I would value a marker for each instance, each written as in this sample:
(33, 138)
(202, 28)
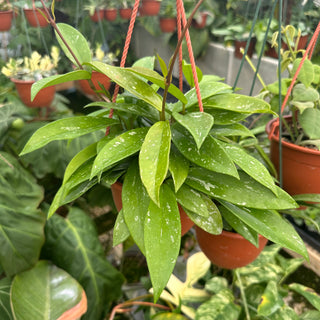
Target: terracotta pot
(242, 44)
(35, 18)
(186, 222)
(150, 8)
(42, 99)
(77, 311)
(300, 165)
(97, 16)
(96, 77)
(5, 20)
(200, 23)
(228, 250)
(168, 24)
(110, 14)
(125, 13)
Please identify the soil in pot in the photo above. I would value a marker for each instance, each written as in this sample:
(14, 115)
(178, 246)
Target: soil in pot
(186, 222)
(42, 99)
(228, 250)
(5, 20)
(300, 165)
(96, 78)
(35, 18)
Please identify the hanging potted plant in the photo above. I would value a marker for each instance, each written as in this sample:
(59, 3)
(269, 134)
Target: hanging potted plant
(95, 9)
(126, 9)
(6, 15)
(150, 7)
(300, 132)
(168, 16)
(24, 72)
(111, 11)
(165, 154)
(99, 80)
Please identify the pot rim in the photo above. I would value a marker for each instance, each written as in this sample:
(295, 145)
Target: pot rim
(14, 80)
(275, 137)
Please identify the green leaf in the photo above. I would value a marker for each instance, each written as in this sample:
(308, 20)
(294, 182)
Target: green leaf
(130, 82)
(306, 73)
(154, 158)
(146, 62)
(274, 87)
(119, 148)
(73, 245)
(77, 43)
(213, 223)
(178, 166)
(5, 307)
(120, 230)
(311, 197)
(66, 128)
(169, 316)
(310, 315)
(271, 225)
(271, 301)
(163, 66)
(250, 165)
(316, 69)
(309, 121)
(197, 123)
(225, 117)
(162, 234)
(304, 94)
(243, 192)
(308, 293)
(197, 267)
(187, 72)
(210, 156)
(216, 284)
(50, 291)
(234, 129)
(57, 79)
(135, 201)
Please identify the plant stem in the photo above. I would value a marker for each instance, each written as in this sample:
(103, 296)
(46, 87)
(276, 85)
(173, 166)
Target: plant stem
(168, 78)
(244, 299)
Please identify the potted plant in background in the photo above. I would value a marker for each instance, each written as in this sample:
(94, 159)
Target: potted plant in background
(300, 139)
(95, 9)
(6, 15)
(111, 11)
(168, 16)
(166, 154)
(24, 72)
(150, 7)
(126, 9)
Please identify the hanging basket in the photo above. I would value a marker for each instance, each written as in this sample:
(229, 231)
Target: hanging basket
(150, 8)
(96, 78)
(6, 20)
(168, 24)
(125, 13)
(201, 22)
(43, 99)
(35, 18)
(110, 14)
(97, 16)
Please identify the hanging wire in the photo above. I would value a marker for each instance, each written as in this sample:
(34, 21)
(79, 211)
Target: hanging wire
(280, 90)
(179, 30)
(27, 32)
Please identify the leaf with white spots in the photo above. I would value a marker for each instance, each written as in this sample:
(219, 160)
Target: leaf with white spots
(162, 233)
(120, 230)
(178, 167)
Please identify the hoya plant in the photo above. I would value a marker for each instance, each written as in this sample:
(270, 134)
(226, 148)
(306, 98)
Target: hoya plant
(166, 154)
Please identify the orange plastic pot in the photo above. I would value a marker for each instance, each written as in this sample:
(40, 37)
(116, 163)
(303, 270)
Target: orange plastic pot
(97, 16)
(186, 222)
(300, 165)
(110, 14)
(168, 24)
(150, 7)
(228, 250)
(43, 98)
(96, 78)
(5, 20)
(77, 311)
(125, 13)
(35, 18)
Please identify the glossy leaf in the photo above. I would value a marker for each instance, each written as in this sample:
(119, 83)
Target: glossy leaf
(213, 223)
(57, 79)
(66, 128)
(120, 230)
(135, 201)
(77, 43)
(234, 129)
(119, 148)
(244, 192)
(197, 123)
(50, 291)
(74, 245)
(250, 165)
(130, 82)
(162, 234)
(5, 307)
(210, 156)
(308, 293)
(178, 167)
(309, 121)
(154, 158)
(272, 226)
(163, 66)
(187, 72)
(225, 117)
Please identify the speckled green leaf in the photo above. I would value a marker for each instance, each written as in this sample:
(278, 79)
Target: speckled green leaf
(131, 82)
(197, 123)
(120, 230)
(66, 128)
(135, 202)
(271, 301)
(162, 234)
(119, 148)
(210, 156)
(225, 117)
(308, 293)
(244, 192)
(234, 129)
(154, 158)
(178, 167)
